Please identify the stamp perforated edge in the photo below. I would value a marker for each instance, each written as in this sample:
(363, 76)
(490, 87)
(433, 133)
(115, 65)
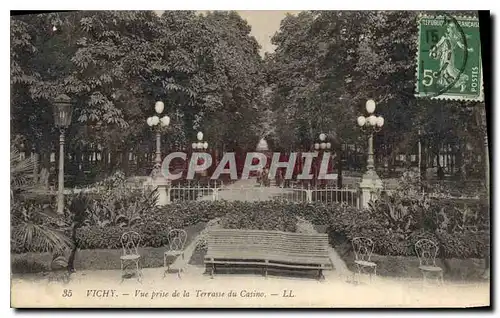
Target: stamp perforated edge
(445, 96)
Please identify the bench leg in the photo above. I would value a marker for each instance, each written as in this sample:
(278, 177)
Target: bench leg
(320, 275)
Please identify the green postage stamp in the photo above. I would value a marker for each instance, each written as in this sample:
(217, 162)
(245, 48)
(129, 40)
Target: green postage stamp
(449, 58)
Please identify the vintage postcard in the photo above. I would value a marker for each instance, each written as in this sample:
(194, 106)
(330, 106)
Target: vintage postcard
(253, 159)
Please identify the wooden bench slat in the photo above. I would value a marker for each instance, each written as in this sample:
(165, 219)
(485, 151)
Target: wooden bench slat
(290, 263)
(260, 239)
(265, 235)
(276, 242)
(270, 245)
(262, 232)
(319, 266)
(265, 255)
(289, 243)
(268, 248)
(285, 244)
(269, 257)
(270, 239)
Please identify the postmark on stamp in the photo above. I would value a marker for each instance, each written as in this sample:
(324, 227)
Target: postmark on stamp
(449, 58)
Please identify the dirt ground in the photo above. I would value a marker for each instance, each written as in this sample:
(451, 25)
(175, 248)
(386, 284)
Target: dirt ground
(194, 289)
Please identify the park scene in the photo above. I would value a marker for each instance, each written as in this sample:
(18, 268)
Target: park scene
(342, 152)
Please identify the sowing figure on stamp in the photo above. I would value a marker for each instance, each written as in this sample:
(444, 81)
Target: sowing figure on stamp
(444, 50)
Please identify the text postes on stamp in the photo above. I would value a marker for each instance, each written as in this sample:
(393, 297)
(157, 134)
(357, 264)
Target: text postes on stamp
(449, 58)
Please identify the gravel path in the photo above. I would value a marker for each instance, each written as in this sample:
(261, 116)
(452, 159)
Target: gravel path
(247, 190)
(198, 290)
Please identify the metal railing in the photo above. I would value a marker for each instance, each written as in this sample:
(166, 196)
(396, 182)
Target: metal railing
(348, 196)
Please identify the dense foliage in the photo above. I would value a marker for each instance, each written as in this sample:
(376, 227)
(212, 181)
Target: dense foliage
(208, 71)
(394, 230)
(328, 63)
(115, 65)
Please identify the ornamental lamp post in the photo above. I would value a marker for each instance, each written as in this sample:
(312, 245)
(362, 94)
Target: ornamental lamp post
(201, 146)
(157, 123)
(63, 110)
(371, 125)
(321, 146)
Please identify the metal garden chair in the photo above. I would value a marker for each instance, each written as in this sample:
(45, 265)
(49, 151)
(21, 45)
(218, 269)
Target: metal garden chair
(176, 241)
(130, 243)
(427, 251)
(363, 249)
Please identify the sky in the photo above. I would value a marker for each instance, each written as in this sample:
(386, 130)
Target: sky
(264, 24)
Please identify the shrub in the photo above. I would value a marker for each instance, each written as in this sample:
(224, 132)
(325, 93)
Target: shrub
(153, 226)
(467, 244)
(304, 226)
(404, 216)
(265, 215)
(23, 266)
(183, 214)
(36, 228)
(94, 237)
(123, 206)
(317, 213)
(394, 229)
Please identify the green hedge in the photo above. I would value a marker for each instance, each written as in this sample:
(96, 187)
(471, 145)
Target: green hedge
(266, 215)
(154, 226)
(343, 223)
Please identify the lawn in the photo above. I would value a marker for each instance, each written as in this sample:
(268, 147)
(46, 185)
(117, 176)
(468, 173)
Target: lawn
(407, 266)
(97, 258)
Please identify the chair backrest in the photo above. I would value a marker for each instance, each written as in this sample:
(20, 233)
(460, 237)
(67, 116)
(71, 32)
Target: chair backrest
(177, 239)
(426, 252)
(130, 242)
(363, 248)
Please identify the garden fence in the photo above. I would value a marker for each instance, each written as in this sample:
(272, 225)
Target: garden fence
(299, 194)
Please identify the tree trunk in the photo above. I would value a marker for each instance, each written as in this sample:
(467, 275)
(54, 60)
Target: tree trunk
(104, 160)
(125, 162)
(45, 166)
(85, 163)
(35, 166)
(72, 255)
(78, 165)
(45, 159)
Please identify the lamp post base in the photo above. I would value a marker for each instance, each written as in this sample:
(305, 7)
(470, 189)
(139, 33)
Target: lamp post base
(163, 187)
(369, 187)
